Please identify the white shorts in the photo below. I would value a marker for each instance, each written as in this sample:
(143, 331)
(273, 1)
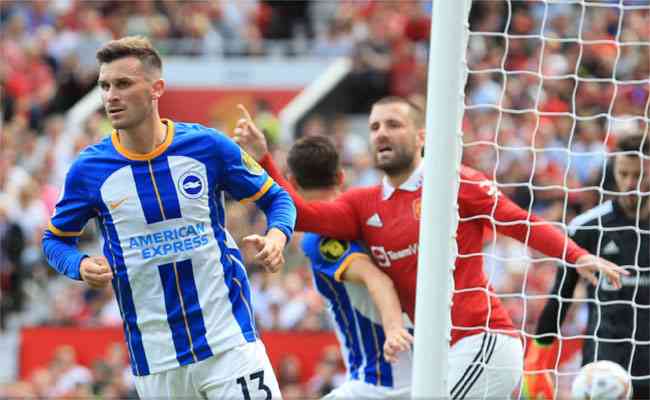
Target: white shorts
(243, 372)
(353, 389)
(485, 366)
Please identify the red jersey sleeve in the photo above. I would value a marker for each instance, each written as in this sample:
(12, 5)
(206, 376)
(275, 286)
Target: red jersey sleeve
(337, 218)
(479, 196)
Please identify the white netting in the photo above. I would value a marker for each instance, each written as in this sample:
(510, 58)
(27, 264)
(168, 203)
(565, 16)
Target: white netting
(551, 87)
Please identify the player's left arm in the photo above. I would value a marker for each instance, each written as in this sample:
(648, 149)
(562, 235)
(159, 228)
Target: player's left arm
(246, 181)
(384, 295)
(480, 196)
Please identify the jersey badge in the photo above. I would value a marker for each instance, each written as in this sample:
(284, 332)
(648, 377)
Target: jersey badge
(490, 188)
(250, 164)
(192, 185)
(332, 250)
(417, 208)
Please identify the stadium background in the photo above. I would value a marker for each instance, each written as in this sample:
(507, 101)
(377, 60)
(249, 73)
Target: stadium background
(59, 338)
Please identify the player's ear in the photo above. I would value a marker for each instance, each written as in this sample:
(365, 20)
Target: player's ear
(292, 180)
(340, 177)
(421, 137)
(157, 89)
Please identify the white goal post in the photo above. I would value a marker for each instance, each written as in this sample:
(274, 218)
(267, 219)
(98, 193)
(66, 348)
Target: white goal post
(536, 101)
(446, 77)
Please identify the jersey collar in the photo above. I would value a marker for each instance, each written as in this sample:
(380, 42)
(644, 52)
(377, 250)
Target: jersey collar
(169, 137)
(413, 183)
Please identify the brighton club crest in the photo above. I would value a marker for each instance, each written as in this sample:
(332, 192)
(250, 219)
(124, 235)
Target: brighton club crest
(192, 185)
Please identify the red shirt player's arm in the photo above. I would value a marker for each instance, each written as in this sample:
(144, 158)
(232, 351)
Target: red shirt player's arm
(480, 196)
(337, 218)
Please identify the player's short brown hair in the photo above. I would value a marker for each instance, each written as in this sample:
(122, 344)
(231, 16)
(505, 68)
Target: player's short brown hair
(131, 46)
(415, 109)
(634, 142)
(314, 162)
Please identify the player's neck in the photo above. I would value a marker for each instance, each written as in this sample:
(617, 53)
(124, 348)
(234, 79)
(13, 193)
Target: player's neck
(643, 214)
(320, 194)
(144, 138)
(396, 179)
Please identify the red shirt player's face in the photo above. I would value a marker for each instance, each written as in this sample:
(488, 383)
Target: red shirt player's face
(395, 140)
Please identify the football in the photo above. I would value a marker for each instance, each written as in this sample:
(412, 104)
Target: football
(602, 380)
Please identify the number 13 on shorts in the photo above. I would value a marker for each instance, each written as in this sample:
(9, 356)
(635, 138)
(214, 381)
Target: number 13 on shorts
(260, 391)
(252, 375)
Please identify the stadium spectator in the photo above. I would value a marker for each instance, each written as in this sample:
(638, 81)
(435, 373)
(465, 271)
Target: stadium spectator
(290, 377)
(289, 20)
(328, 375)
(69, 377)
(337, 41)
(372, 62)
(314, 125)
(12, 242)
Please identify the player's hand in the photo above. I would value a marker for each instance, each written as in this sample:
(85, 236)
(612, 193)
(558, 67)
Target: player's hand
(398, 339)
(269, 249)
(537, 384)
(589, 265)
(96, 272)
(249, 137)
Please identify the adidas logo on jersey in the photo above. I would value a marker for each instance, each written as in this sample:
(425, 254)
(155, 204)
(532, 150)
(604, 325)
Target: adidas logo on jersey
(375, 221)
(610, 248)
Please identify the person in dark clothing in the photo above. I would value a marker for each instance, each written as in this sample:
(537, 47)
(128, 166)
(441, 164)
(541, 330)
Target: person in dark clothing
(12, 245)
(619, 320)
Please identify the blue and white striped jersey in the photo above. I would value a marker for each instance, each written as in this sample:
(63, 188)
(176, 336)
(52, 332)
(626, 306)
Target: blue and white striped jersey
(357, 321)
(178, 275)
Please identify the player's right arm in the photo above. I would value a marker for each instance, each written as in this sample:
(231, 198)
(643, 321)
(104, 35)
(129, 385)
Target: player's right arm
(60, 239)
(336, 218)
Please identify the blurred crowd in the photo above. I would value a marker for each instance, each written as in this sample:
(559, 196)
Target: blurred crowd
(550, 87)
(64, 377)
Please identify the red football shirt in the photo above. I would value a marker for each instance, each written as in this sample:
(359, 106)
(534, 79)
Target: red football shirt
(388, 221)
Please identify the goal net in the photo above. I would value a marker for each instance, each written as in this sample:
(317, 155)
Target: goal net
(552, 86)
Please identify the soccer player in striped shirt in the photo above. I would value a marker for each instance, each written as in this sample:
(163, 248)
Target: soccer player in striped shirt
(485, 358)
(156, 190)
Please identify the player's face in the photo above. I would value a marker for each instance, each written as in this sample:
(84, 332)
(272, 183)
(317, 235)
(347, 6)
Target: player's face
(395, 140)
(129, 94)
(628, 177)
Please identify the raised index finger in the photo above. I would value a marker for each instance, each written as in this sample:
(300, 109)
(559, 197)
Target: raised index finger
(244, 111)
